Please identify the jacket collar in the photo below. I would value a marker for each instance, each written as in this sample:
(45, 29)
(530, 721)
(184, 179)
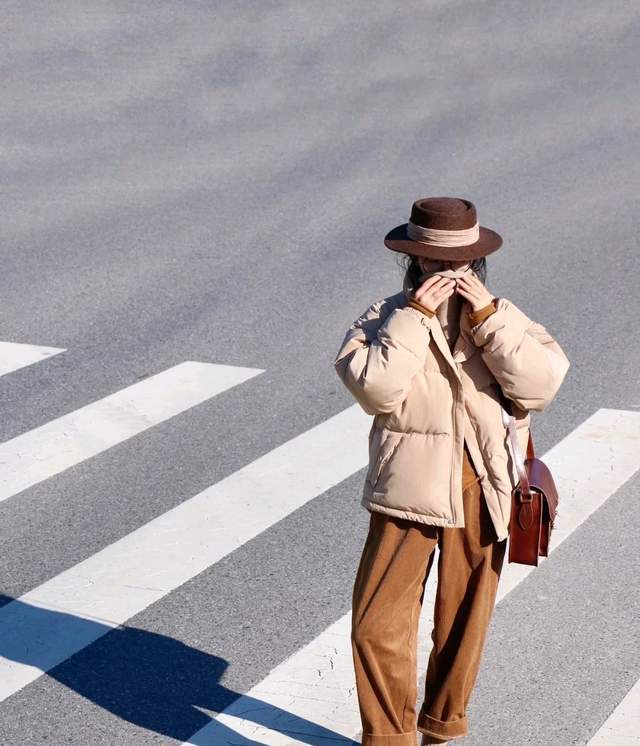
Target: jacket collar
(464, 347)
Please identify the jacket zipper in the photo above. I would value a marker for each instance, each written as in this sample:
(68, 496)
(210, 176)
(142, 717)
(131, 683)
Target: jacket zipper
(453, 453)
(453, 449)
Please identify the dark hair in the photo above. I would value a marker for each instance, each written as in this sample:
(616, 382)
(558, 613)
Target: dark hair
(409, 262)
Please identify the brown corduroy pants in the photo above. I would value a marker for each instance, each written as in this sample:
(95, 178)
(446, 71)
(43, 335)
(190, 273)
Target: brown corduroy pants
(387, 599)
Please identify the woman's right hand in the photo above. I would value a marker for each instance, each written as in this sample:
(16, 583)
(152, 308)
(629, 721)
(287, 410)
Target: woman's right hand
(434, 290)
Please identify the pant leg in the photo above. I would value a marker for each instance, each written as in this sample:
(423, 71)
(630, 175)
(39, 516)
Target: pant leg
(469, 565)
(386, 603)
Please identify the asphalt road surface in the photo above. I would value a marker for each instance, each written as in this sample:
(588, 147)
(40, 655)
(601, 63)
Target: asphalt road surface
(194, 197)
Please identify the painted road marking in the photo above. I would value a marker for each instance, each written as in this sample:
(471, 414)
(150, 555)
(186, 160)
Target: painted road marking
(622, 727)
(47, 450)
(16, 355)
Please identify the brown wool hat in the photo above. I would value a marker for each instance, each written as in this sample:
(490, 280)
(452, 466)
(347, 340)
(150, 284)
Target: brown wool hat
(443, 228)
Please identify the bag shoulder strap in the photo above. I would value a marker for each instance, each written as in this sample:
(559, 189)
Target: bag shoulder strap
(508, 421)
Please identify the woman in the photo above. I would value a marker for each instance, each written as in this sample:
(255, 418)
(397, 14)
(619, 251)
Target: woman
(429, 363)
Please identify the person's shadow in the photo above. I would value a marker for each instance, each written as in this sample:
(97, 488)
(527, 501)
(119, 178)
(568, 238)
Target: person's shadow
(148, 679)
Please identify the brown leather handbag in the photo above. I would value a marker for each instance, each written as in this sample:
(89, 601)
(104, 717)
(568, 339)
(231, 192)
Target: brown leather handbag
(534, 500)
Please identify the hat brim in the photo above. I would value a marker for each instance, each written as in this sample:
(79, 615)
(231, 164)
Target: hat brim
(398, 240)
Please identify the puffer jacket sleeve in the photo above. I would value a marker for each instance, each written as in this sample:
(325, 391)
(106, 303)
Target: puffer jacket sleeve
(527, 362)
(381, 353)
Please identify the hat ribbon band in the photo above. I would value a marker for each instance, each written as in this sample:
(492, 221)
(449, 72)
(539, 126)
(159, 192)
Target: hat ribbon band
(438, 237)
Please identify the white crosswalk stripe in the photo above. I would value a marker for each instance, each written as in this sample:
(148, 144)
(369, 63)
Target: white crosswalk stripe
(622, 727)
(16, 355)
(312, 693)
(68, 440)
(124, 578)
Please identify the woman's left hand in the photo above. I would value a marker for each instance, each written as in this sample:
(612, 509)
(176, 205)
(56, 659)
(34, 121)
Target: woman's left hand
(472, 289)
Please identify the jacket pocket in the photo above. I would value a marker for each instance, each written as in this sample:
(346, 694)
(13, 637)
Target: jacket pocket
(382, 444)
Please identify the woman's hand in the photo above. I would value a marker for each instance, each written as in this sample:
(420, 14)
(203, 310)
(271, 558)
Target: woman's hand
(472, 289)
(433, 291)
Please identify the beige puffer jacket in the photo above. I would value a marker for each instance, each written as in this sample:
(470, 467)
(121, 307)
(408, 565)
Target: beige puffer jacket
(426, 400)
